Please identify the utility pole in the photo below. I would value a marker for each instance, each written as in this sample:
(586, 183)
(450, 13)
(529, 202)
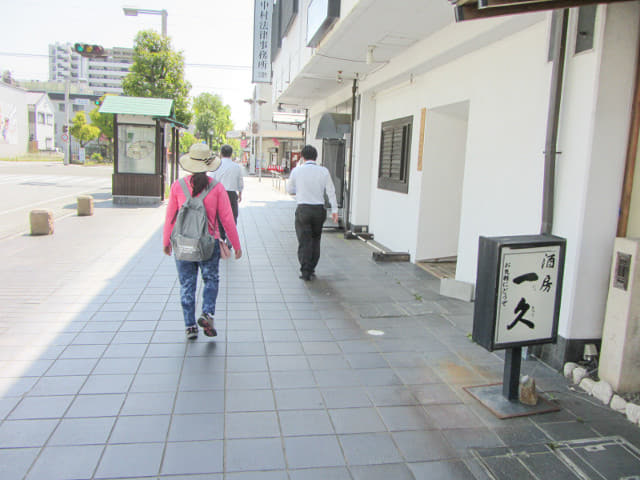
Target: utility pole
(67, 86)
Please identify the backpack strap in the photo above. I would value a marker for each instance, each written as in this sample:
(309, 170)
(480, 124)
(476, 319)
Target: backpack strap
(185, 189)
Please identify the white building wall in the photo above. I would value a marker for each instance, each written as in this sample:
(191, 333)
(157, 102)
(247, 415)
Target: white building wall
(503, 143)
(14, 121)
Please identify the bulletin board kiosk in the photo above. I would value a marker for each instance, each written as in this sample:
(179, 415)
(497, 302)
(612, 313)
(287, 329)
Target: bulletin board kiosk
(518, 292)
(144, 130)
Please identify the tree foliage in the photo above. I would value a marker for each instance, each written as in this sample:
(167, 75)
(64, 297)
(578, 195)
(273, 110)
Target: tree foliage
(158, 72)
(82, 131)
(213, 119)
(104, 121)
(186, 140)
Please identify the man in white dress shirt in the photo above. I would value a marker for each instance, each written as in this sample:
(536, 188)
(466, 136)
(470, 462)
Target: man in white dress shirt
(309, 182)
(229, 174)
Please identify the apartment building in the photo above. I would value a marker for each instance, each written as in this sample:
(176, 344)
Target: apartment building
(101, 74)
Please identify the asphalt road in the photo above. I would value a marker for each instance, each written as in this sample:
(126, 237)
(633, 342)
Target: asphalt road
(26, 186)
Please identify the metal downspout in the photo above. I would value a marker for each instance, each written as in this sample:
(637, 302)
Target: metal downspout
(555, 98)
(354, 90)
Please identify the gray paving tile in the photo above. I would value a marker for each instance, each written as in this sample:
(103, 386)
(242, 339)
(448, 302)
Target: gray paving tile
(210, 401)
(249, 400)
(96, 405)
(369, 449)
(125, 350)
(72, 366)
(25, 433)
(396, 471)
(197, 426)
(248, 380)
(453, 416)
(157, 403)
(107, 384)
(41, 407)
(356, 420)
(83, 351)
(130, 460)
(251, 425)
(82, 431)
(441, 471)
(297, 399)
(287, 363)
(193, 457)
(405, 418)
(140, 429)
(155, 382)
(293, 379)
(117, 366)
(423, 446)
(462, 439)
(313, 451)
(247, 364)
(305, 422)
(254, 454)
(329, 473)
(68, 462)
(200, 382)
(346, 397)
(437, 393)
(14, 462)
(328, 362)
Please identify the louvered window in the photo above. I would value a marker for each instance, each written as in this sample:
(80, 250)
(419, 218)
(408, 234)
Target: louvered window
(395, 150)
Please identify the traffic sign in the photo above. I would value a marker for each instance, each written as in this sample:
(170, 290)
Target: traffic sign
(65, 137)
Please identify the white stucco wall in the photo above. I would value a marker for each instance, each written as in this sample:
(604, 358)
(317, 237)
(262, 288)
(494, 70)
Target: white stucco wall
(14, 124)
(507, 93)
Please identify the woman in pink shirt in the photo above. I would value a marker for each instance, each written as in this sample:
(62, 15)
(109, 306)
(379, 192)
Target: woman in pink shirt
(199, 161)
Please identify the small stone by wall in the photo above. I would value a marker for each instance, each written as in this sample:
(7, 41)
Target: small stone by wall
(603, 391)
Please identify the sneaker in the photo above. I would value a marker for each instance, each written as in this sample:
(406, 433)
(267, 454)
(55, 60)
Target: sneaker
(192, 332)
(206, 323)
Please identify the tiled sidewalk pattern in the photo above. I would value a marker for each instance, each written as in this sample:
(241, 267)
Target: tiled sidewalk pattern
(98, 382)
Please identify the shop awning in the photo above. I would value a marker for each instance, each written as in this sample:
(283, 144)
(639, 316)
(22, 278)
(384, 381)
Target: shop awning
(152, 107)
(334, 125)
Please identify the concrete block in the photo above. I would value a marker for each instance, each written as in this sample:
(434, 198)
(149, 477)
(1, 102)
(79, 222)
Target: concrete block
(41, 222)
(633, 413)
(618, 404)
(85, 205)
(587, 385)
(569, 367)
(620, 355)
(603, 391)
(578, 374)
(450, 287)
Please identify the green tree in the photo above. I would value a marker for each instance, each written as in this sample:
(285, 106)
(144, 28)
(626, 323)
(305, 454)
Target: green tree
(213, 119)
(82, 131)
(104, 121)
(158, 72)
(186, 140)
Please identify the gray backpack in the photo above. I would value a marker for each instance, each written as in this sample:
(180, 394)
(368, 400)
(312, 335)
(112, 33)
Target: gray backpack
(190, 238)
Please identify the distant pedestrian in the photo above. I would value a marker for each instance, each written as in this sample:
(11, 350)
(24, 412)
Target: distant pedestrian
(309, 182)
(199, 161)
(230, 175)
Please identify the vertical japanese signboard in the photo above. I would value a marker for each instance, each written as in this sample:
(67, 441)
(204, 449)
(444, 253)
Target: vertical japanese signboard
(518, 289)
(261, 72)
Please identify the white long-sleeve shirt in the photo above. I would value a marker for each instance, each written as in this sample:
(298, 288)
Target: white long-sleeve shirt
(229, 174)
(309, 182)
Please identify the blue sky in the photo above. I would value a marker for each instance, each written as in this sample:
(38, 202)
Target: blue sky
(213, 35)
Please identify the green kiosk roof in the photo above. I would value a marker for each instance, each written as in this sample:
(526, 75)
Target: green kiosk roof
(152, 107)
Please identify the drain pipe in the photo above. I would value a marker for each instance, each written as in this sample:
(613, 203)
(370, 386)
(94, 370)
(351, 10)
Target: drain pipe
(347, 214)
(555, 98)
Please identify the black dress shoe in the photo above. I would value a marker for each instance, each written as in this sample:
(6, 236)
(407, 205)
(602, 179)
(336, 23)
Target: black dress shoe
(306, 277)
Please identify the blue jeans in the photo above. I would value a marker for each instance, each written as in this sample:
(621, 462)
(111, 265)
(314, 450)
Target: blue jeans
(188, 276)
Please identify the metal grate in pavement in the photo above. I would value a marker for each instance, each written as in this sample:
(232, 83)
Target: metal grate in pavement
(605, 458)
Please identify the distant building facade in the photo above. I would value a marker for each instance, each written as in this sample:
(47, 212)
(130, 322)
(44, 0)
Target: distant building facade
(41, 122)
(101, 74)
(14, 125)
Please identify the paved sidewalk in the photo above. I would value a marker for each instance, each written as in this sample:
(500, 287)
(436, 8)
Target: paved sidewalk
(98, 382)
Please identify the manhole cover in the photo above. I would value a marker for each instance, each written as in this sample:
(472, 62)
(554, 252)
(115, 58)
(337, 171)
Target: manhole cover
(606, 458)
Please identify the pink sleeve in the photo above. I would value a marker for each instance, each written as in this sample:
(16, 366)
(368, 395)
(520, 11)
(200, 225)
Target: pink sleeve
(224, 212)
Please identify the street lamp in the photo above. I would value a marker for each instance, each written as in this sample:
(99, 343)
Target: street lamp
(255, 126)
(133, 12)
